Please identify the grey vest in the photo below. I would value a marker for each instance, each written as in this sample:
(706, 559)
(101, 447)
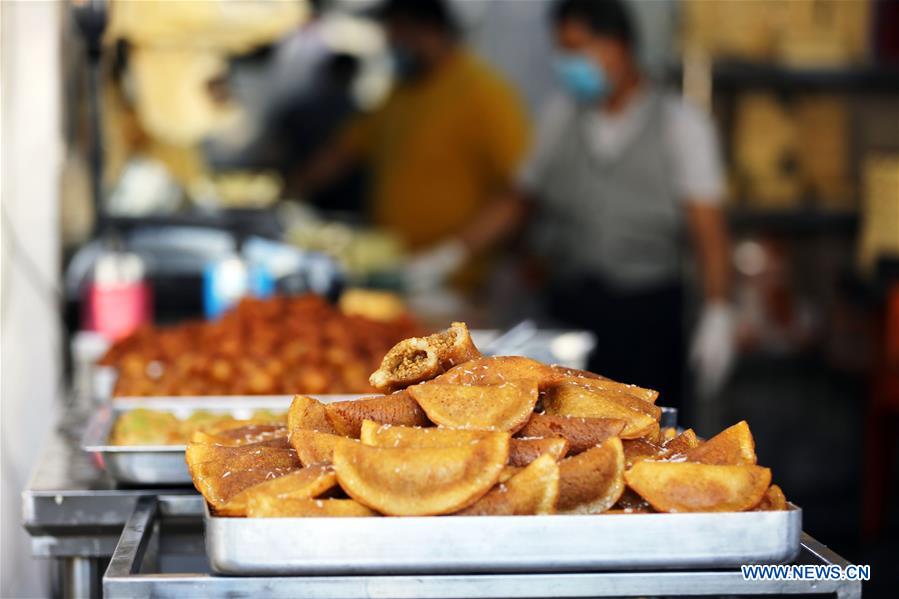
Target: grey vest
(618, 219)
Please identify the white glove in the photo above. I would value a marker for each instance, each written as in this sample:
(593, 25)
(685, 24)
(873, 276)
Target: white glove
(713, 348)
(430, 268)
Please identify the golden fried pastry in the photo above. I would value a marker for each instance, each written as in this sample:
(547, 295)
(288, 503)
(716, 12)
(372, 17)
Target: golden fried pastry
(688, 487)
(667, 434)
(508, 472)
(398, 408)
(565, 371)
(388, 435)
(592, 481)
(420, 482)
(300, 484)
(773, 500)
(504, 407)
(580, 432)
(308, 413)
(316, 449)
(681, 443)
(601, 383)
(265, 506)
(244, 434)
(617, 394)
(525, 450)
(275, 453)
(497, 370)
(734, 445)
(218, 484)
(420, 359)
(533, 490)
(569, 399)
(636, 450)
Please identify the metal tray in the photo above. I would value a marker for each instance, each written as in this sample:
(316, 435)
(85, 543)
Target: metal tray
(164, 464)
(522, 544)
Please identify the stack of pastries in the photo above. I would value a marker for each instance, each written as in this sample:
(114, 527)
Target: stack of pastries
(281, 345)
(458, 433)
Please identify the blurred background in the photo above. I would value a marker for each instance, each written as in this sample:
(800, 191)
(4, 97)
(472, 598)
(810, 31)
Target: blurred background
(719, 206)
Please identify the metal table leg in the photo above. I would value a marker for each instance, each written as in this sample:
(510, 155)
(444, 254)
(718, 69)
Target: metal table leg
(80, 578)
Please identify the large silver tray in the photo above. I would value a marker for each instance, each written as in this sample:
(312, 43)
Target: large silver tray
(523, 544)
(164, 464)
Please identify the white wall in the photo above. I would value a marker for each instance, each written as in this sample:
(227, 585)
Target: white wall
(29, 329)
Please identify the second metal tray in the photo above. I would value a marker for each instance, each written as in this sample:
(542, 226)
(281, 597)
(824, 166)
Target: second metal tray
(164, 464)
(467, 544)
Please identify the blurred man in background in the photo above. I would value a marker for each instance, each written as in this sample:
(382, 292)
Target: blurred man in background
(303, 127)
(620, 170)
(451, 135)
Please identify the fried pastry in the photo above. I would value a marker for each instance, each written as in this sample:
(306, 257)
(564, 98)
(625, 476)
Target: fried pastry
(601, 383)
(524, 451)
(264, 506)
(772, 501)
(582, 433)
(689, 487)
(420, 482)
(308, 413)
(681, 443)
(398, 408)
(387, 435)
(218, 484)
(636, 450)
(591, 482)
(266, 454)
(617, 394)
(246, 434)
(497, 370)
(508, 472)
(534, 490)
(504, 407)
(300, 484)
(419, 359)
(734, 445)
(569, 399)
(316, 449)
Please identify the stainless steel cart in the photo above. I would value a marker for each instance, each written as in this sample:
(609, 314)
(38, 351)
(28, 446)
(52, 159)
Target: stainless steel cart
(149, 542)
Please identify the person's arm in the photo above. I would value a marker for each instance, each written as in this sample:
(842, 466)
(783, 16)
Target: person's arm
(500, 219)
(337, 156)
(711, 242)
(500, 132)
(713, 348)
(324, 167)
(699, 176)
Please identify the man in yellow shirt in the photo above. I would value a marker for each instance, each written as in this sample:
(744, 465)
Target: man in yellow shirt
(449, 138)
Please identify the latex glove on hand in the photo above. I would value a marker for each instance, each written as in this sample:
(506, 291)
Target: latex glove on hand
(713, 349)
(430, 268)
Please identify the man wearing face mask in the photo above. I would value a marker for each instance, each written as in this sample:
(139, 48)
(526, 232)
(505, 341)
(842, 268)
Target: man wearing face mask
(450, 137)
(621, 174)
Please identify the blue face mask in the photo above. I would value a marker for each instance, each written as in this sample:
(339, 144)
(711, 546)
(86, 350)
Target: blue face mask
(582, 77)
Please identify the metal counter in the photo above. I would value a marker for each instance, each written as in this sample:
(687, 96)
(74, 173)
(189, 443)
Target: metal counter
(152, 541)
